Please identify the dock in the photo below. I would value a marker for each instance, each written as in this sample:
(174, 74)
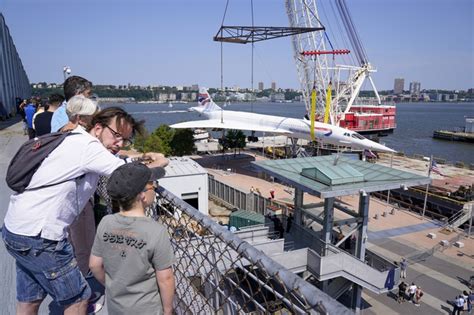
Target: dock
(453, 136)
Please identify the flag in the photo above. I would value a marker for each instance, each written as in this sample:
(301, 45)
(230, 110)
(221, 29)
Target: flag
(434, 168)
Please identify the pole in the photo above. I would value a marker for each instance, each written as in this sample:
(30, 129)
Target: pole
(222, 67)
(470, 224)
(388, 192)
(427, 188)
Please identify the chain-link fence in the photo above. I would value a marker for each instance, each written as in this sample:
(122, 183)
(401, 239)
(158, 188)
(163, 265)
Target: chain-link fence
(218, 273)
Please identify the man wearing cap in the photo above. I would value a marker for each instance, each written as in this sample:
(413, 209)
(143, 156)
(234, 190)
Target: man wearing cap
(132, 254)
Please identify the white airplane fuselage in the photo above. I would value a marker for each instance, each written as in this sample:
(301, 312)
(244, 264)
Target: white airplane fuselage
(296, 128)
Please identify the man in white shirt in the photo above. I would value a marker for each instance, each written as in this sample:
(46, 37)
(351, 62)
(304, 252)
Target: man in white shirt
(458, 305)
(411, 292)
(35, 225)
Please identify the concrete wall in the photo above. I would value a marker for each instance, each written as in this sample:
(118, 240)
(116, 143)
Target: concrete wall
(13, 79)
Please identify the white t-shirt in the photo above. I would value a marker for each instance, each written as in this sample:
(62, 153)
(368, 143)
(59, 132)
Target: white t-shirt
(412, 289)
(460, 302)
(48, 211)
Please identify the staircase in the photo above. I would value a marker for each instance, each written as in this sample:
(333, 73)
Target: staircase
(460, 217)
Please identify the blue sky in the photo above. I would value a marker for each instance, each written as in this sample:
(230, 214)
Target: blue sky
(169, 42)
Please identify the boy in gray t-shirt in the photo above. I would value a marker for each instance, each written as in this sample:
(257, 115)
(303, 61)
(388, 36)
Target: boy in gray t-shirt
(132, 255)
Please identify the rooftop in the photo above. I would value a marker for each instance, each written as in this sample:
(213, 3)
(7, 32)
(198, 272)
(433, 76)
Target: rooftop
(181, 166)
(375, 177)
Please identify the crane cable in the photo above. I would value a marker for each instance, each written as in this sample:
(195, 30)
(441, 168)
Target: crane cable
(222, 49)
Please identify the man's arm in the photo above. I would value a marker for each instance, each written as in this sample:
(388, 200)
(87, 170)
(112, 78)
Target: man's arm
(165, 280)
(96, 265)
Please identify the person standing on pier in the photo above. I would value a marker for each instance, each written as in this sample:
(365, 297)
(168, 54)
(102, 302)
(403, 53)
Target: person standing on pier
(411, 292)
(458, 305)
(418, 295)
(402, 289)
(30, 111)
(73, 85)
(36, 223)
(403, 268)
(43, 120)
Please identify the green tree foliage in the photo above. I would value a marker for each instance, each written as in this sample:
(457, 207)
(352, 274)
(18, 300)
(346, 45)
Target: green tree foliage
(234, 139)
(177, 142)
(182, 142)
(158, 141)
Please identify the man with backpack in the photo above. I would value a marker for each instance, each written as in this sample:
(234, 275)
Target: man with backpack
(44, 206)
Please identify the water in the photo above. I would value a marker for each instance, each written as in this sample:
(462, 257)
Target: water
(415, 123)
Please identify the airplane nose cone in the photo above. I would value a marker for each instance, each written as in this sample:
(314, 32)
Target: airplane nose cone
(381, 148)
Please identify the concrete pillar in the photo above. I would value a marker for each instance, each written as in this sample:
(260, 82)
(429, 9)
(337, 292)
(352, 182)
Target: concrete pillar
(328, 220)
(360, 247)
(298, 205)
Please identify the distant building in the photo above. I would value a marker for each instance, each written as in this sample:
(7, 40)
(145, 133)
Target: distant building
(415, 88)
(260, 86)
(274, 86)
(277, 97)
(398, 86)
(195, 87)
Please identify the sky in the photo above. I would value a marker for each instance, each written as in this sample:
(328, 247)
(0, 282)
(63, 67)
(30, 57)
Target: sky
(169, 42)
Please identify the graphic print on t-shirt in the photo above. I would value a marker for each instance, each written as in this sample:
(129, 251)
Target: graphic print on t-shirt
(123, 240)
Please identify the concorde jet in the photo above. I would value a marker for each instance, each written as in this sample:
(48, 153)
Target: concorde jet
(291, 127)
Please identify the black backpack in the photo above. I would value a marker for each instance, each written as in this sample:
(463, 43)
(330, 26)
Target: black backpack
(29, 158)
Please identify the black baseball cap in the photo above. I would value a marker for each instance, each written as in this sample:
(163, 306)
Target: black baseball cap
(128, 180)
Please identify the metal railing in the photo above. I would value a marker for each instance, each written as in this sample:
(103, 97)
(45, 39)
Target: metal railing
(233, 197)
(218, 273)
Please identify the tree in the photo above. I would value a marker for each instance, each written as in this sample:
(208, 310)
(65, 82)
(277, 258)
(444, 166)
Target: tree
(234, 139)
(182, 142)
(159, 140)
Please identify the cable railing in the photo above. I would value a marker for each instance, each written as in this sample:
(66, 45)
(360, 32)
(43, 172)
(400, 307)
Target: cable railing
(218, 273)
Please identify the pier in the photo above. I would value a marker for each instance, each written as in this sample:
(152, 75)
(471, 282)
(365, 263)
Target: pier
(453, 136)
(464, 135)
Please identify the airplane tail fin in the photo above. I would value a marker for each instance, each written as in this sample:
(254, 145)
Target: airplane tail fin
(205, 102)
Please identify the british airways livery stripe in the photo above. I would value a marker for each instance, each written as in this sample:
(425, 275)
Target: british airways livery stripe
(327, 130)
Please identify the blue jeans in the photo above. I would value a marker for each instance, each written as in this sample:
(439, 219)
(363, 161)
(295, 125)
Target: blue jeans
(45, 267)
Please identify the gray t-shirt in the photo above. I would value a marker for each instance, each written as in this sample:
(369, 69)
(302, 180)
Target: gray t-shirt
(132, 249)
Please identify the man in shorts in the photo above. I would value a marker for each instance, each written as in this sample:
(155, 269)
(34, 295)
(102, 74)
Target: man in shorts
(132, 254)
(36, 223)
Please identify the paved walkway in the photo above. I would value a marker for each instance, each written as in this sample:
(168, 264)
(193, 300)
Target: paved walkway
(402, 230)
(11, 137)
